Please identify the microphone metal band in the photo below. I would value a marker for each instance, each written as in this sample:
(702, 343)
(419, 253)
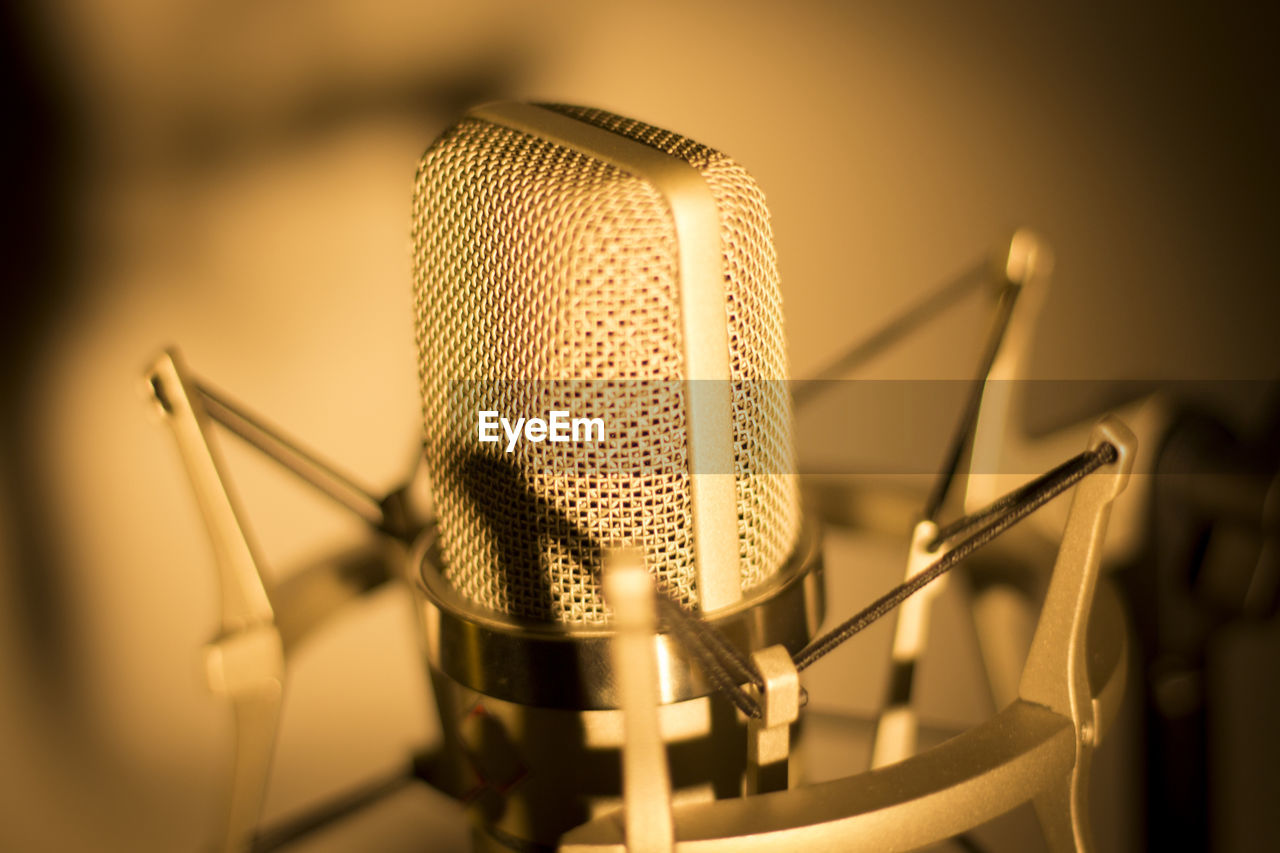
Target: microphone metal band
(560, 666)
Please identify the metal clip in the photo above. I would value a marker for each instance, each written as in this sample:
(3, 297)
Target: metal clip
(769, 735)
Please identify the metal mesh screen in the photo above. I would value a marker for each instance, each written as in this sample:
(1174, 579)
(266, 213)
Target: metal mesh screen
(546, 279)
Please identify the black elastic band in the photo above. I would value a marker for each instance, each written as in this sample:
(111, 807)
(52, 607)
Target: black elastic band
(1032, 496)
(684, 626)
(739, 666)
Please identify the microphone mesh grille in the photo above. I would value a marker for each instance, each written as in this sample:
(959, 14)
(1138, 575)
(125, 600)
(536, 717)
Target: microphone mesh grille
(532, 262)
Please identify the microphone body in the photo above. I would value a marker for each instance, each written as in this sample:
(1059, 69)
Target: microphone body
(602, 365)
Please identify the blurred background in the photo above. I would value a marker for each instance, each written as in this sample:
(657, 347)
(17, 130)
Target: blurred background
(235, 178)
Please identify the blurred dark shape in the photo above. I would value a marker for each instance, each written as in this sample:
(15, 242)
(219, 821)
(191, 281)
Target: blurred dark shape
(43, 158)
(1213, 563)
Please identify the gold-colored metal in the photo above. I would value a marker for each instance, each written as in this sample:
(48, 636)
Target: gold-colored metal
(528, 774)
(975, 776)
(530, 771)
(1108, 662)
(567, 258)
(246, 662)
(1003, 455)
(769, 736)
(897, 730)
(646, 781)
(552, 665)
(643, 699)
(243, 596)
(708, 404)
(1057, 671)
(260, 625)
(532, 714)
(1037, 748)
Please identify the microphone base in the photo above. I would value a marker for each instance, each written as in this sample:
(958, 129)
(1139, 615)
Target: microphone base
(533, 729)
(530, 774)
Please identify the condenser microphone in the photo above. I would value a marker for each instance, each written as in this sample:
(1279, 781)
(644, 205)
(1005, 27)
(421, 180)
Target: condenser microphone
(606, 415)
(602, 365)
